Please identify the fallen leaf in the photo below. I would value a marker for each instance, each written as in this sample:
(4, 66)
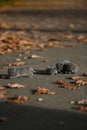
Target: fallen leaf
(82, 108)
(35, 56)
(55, 39)
(81, 82)
(6, 65)
(67, 85)
(82, 38)
(43, 91)
(1, 88)
(15, 85)
(13, 41)
(3, 93)
(18, 99)
(76, 77)
(18, 59)
(19, 63)
(71, 87)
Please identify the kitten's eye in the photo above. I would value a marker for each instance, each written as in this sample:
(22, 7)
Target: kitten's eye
(11, 71)
(72, 72)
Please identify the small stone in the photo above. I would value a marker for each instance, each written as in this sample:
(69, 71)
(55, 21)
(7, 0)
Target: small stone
(72, 102)
(40, 99)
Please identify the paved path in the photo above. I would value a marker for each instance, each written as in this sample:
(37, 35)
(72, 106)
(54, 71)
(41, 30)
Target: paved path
(54, 112)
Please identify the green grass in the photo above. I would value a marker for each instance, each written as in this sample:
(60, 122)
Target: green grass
(4, 2)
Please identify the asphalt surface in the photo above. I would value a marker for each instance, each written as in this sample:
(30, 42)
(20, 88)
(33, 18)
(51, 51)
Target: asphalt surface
(54, 111)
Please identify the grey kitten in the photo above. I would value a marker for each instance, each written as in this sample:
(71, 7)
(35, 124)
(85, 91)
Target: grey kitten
(20, 71)
(70, 68)
(60, 65)
(51, 70)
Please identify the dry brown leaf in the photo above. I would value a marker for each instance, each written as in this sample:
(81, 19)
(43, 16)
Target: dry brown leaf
(1, 88)
(61, 82)
(35, 56)
(3, 119)
(55, 39)
(76, 77)
(78, 80)
(15, 42)
(7, 65)
(18, 99)
(15, 85)
(3, 93)
(19, 63)
(82, 38)
(18, 59)
(81, 82)
(43, 91)
(71, 87)
(67, 85)
(82, 107)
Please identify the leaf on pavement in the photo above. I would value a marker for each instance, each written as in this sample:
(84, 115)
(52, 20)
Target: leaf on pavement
(18, 99)
(3, 93)
(15, 85)
(81, 82)
(35, 57)
(43, 91)
(2, 88)
(67, 85)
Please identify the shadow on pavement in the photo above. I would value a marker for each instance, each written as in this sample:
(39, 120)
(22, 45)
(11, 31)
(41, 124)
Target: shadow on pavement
(22, 117)
(51, 12)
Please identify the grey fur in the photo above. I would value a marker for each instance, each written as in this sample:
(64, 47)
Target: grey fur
(60, 65)
(20, 71)
(51, 70)
(64, 67)
(70, 68)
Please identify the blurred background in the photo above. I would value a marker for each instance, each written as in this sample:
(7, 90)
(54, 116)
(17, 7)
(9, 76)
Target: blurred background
(71, 4)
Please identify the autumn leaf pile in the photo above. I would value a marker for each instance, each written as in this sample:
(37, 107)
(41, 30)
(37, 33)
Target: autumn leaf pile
(13, 41)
